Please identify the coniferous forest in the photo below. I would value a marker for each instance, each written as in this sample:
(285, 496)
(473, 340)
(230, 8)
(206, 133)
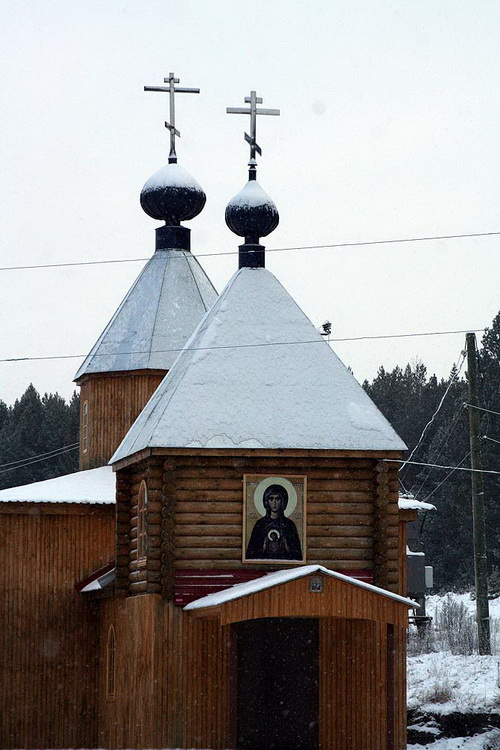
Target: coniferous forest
(39, 435)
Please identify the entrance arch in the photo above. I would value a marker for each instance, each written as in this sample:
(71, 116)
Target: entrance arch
(278, 684)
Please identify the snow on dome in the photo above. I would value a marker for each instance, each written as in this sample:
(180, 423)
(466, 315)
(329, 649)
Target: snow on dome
(156, 318)
(172, 175)
(251, 196)
(257, 374)
(252, 213)
(91, 486)
(172, 194)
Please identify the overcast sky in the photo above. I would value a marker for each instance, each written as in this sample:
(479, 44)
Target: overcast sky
(390, 113)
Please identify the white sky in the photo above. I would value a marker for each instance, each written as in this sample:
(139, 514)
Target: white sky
(390, 114)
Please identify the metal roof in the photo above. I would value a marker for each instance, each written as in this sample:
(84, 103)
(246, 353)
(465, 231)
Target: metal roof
(257, 374)
(156, 318)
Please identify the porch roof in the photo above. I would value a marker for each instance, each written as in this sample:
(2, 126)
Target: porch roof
(291, 593)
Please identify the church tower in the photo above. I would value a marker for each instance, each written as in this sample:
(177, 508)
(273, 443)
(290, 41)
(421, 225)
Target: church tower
(258, 534)
(159, 313)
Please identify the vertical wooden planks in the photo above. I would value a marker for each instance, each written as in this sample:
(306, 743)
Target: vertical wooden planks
(114, 401)
(49, 633)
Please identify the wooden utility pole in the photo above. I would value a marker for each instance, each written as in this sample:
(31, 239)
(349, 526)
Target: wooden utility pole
(479, 529)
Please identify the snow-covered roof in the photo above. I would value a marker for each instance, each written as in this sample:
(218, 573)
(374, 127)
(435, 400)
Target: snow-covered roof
(257, 374)
(282, 576)
(408, 502)
(156, 318)
(91, 486)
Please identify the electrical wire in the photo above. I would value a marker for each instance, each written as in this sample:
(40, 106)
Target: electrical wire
(245, 346)
(438, 466)
(439, 449)
(39, 455)
(269, 250)
(429, 423)
(486, 437)
(446, 477)
(480, 408)
(47, 458)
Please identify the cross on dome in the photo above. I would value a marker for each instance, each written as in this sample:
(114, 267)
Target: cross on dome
(253, 111)
(172, 91)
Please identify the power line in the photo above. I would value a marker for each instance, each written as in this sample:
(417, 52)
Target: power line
(431, 420)
(244, 346)
(439, 449)
(39, 455)
(485, 437)
(269, 250)
(438, 466)
(480, 408)
(446, 477)
(47, 458)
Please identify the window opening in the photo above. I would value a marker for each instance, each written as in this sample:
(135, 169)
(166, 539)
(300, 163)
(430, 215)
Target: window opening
(111, 664)
(85, 427)
(142, 533)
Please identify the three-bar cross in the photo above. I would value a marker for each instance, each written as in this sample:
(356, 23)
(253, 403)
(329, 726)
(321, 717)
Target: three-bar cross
(253, 111)
(172, 91)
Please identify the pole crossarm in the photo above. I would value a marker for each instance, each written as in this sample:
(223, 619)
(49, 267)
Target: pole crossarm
(172, 90)
(253, 111)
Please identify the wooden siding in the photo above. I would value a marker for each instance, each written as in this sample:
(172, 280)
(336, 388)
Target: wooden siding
(115, 400)
(352, 516)
(294, 599)
(48, 632)
(172, 677)
(354, 691)
(175, 677)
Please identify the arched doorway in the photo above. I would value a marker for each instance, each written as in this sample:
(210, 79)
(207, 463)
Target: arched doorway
(278, 684)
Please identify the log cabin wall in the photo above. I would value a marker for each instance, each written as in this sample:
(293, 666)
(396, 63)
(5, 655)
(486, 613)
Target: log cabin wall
(112, 401)
(352, 514)
(49, 633)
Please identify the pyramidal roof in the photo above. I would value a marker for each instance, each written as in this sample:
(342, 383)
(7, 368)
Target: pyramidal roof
(156, 318)
(257, 374)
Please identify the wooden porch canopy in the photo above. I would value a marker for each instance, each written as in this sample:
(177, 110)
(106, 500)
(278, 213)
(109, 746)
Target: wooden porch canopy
(308, 591)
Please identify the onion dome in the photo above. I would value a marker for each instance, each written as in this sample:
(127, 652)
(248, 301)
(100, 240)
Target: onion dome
(171, 194)
(252, 213)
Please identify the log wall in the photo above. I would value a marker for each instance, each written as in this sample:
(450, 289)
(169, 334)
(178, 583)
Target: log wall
(49, 633)
(196, 513)
(114, 400)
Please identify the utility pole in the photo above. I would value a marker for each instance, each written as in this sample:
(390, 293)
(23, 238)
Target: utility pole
(479, 529)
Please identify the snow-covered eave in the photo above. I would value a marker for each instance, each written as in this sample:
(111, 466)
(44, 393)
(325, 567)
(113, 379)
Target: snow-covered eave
(289, 452)
(408, 502)
(283, 576)
(90, 487)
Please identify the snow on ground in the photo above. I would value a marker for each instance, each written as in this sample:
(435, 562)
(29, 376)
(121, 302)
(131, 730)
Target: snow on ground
(478, 742)
(446, 683)
(437, 600)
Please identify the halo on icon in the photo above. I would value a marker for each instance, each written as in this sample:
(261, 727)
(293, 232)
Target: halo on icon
(258, 496)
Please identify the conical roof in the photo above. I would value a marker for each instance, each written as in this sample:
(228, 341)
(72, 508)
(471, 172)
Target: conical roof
(257, 374)
(156, 318)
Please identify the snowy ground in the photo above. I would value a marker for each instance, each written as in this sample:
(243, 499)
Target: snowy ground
(478, 742)
(443, 683)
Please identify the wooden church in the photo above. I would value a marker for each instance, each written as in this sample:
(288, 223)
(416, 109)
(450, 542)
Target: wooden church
(237, 578)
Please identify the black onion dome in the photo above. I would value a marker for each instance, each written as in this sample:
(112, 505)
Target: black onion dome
(173, 195)
(252, 213)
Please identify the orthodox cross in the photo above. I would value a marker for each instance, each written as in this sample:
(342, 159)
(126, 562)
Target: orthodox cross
(172, 91)
(253, 111)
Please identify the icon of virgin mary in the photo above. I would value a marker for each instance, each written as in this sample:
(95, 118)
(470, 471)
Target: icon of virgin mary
(274, 537)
